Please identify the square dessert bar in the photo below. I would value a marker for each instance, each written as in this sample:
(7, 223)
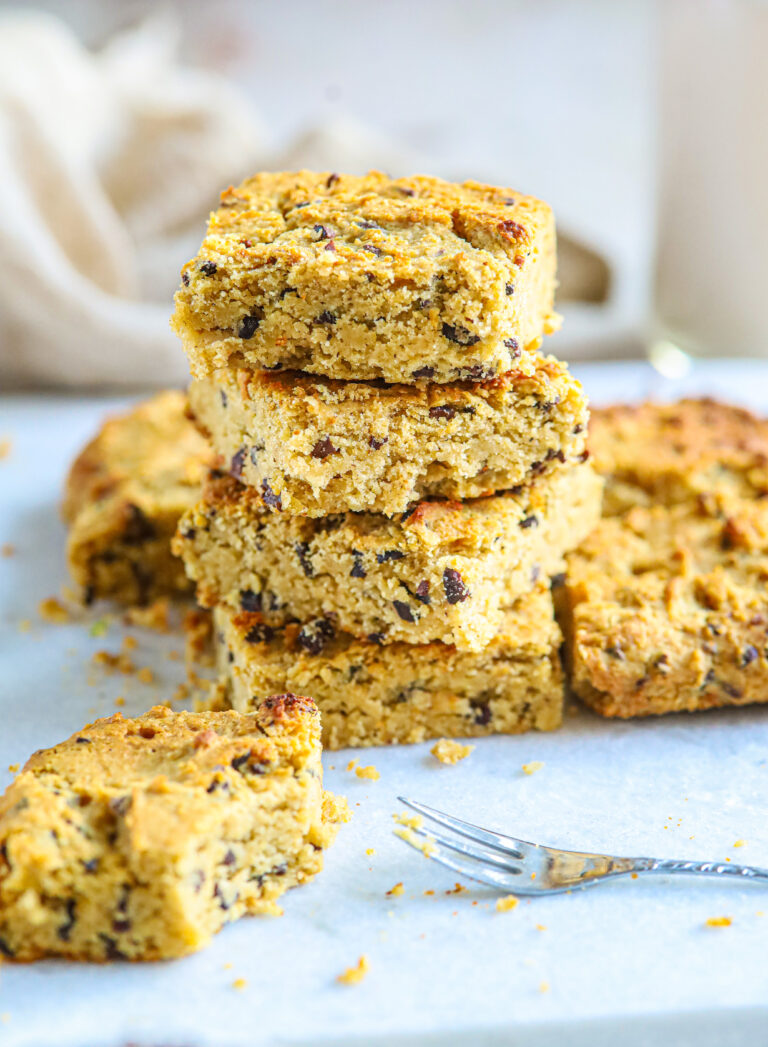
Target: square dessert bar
(668, 453)
(665, 609)
(124, 496)
(370, 694)
(370, 277)
(319, 444)
(441, 571)
(138, 839)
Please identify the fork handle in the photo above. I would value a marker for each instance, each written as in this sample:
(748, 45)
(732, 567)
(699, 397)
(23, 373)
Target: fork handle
(670, 865)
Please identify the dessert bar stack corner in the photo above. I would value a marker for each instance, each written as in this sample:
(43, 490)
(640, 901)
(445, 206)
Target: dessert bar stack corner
(399, 469)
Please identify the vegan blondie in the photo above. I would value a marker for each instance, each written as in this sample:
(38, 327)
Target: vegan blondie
(138, 839)
(440, 571)
(319, 444)
(124, 495)
(370, 694)
(370, 277)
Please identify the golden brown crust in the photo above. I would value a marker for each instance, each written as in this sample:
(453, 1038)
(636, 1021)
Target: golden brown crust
(370, 277)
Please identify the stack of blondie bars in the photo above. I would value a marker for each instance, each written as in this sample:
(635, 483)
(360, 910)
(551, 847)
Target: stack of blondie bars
(400, 470)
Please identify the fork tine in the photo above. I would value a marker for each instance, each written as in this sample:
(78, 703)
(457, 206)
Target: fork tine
(507, 845)
(506, 881)
(479, 853)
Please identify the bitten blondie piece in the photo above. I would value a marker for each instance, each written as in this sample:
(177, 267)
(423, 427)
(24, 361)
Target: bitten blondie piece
(124, 495)
(676, 452)
(379, 695)
(370, 277)
(441, 571)
(319, 444)
(666, 610)
(138, 839)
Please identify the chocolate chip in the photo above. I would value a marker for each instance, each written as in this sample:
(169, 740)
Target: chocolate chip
(529, 521)
(730, 690)
(302, 551)
(332, 180)
(189, 534)
(373, 249)
(249, 325)
(92, 865)
(443, 411)
(6, 950)
(185, 279)
(255, 453)
(138, 528)
(358, 571)
(82, 741)
(509, 288)
(483, 715)
(259, 633)
(403, 610)
(110, 947)
(405, 191)
(224, 400)
(424, 372)
(120, 804)
(616, 652)
(225, 903)
(578, 429)
(322, 233)
(389, 554)
(330, 246)
(313, 636)
(121, 926)
(460, 335)
(269, 497)
(376, 638)
(376, 443)
(368, 225)
(453, 584)
(512, 343)
(326, 317)
(749, 655)
(422, 592)
(229, 858)
(236, 465)
(535, 573)
(324, 448)
(238, 762)
(208, 268)
(250, 601)
(65, 930)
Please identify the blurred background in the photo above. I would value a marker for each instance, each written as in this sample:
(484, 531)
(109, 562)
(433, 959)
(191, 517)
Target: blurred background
(120, 121)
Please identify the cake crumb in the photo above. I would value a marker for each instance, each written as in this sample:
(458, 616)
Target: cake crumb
(507, 904)
(119, 701)
(25, 625)
(130, 643)
(155, 616)
(424, 844)
(369, 851)
(541, 927)
(718, 921)
(228, 966)
(5, 448)
(198, 638)
(355, 974)
(239, 984)
(13, 767)
(430, 892)
(368, 772)
(740, 843)
(352, 764)
(114, 663)
(7, 549)
(450, 752)
(145, 675)
(397, 890)
(531, 768)
(51, 609)
(458, 888)
(411, 821)
(544, 987)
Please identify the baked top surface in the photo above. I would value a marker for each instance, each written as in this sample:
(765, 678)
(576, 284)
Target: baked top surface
(666, 453)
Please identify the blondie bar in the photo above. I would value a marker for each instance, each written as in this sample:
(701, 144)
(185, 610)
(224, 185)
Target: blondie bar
(319, 444)
(665, 609)
(370, 277)
(370, 694)
(124, 496)
(138, 839)
(668, 453)
(440, 571)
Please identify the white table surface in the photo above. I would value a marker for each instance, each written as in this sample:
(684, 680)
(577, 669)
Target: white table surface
(631, 962)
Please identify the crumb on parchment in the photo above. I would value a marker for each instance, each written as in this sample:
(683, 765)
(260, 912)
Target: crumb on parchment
(51, 609)
(5, 448)
(7, 549)
(450, 752)
(155, 616)
(368, 772)
(411, 821)
(397, 890)
(424, 844)
(355, 974)
(532, 767)
(239, 984)
(718, 921)
(507, 903)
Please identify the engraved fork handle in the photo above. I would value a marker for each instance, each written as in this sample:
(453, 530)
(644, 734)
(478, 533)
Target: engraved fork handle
(670, 865)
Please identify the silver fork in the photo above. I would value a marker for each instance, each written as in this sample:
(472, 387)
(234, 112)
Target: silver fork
(529, 868)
